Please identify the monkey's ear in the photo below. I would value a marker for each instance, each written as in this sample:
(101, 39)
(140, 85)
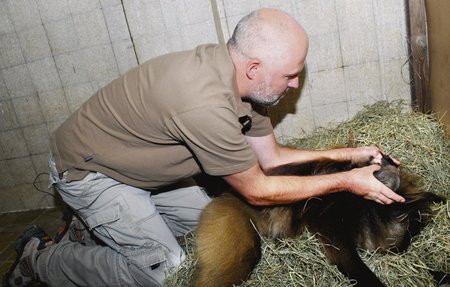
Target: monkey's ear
(435, 198)
(252, 68)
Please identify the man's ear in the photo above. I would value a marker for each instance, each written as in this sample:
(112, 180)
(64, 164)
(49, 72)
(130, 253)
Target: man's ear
(252, 68)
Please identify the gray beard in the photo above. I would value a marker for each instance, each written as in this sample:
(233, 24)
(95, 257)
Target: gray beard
(263, 95)
(258, 97)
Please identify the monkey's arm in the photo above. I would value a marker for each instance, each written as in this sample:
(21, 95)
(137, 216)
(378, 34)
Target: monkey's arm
(259, 189)
(271, 154)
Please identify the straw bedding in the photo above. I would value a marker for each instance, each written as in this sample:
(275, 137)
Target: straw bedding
(421, 144)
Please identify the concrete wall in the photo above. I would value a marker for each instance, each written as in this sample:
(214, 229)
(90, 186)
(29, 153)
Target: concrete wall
(54, 54)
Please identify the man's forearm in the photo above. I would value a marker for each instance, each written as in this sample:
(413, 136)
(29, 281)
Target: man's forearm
(259, 189)
(289, 155)
(271, 154)
(288, 189)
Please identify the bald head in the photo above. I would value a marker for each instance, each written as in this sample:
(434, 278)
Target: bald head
(268, 49)
(268, 34)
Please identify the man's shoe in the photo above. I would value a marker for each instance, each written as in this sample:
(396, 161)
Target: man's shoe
(22, 272)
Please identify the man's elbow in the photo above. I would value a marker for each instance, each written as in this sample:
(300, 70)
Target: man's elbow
(253, 185)
(256, 198)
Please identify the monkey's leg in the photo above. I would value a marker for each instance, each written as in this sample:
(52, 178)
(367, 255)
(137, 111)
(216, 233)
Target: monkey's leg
(228, 247)
(343, 254)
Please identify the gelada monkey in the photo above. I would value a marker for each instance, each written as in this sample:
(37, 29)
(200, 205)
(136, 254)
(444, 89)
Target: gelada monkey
(228, 234)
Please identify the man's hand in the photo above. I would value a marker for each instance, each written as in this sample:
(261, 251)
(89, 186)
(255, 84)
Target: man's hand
(362, 182)
(366, 153)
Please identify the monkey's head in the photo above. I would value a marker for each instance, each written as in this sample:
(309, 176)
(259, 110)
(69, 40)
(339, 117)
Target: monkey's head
(404, 184)
(389, 173)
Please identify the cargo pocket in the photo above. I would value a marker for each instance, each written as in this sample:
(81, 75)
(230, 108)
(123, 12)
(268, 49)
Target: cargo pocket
(147, 265)
(146, 258)
(119, 226)
(104, 224)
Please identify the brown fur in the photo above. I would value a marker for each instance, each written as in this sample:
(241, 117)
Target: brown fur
(228, 243)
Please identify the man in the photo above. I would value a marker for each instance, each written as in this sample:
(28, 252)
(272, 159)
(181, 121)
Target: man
(115, 159)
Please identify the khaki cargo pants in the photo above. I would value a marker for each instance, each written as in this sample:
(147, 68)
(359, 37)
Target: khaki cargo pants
(138, 228)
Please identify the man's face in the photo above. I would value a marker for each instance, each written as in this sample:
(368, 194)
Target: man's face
(274, 85)
(264, 93)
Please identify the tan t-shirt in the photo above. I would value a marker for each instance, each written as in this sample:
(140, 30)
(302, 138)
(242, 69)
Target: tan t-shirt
(172, 117)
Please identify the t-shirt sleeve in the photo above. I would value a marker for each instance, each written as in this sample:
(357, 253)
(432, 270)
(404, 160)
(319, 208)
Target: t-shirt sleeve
(213, 135)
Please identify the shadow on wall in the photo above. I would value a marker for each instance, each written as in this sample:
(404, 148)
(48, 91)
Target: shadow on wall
(288, 105)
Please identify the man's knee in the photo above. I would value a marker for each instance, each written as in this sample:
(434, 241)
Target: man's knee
(181, 208)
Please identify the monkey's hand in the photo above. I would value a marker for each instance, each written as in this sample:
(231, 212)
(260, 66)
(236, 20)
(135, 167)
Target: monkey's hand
(368, 154)
(362, 182)
(364, 154)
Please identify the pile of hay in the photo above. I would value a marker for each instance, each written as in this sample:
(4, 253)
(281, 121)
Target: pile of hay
(420, 143)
